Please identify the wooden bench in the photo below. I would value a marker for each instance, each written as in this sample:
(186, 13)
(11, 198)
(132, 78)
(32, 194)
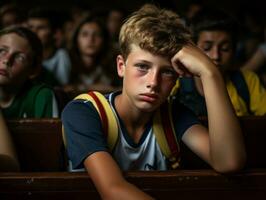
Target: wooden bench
(39, 144)
(181, 184)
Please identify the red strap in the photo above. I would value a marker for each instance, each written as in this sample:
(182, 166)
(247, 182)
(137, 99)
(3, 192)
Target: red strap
(102, 112)
(169, 134)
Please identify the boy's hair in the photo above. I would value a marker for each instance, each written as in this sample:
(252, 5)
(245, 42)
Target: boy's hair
(159, 31)
(46, 14)
(32, 39)
(214, 20)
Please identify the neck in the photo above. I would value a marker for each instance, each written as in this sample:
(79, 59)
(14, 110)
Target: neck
(88, 61)
(136, 121)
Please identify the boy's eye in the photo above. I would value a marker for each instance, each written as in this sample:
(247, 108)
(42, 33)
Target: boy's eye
(20, 58)
(207, 47)
(225, 48)
(2, 52)
(142, 67)
(169, 72)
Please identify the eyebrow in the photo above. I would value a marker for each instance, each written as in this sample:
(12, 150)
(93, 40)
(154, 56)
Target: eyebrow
(148, 62)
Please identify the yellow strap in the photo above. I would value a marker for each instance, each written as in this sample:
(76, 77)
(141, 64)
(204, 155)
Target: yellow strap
(111, 120)
(160, 135)
(171, 122)
(112, 123)
(113, 126)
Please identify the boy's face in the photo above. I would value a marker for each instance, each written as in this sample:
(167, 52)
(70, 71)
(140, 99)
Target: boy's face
(218, 45)
(15, 59)
(90, 39)
(42, 29)
(147, 78)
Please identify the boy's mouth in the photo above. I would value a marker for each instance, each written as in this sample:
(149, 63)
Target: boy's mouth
(149, 97)
(3, 72)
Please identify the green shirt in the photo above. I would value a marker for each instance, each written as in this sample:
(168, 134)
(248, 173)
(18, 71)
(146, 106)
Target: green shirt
(33, 101)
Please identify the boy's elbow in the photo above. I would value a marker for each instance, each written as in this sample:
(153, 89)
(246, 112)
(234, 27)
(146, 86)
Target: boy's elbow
(231, 166)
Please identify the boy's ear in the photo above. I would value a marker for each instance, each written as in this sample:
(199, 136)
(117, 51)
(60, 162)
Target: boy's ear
(120, 64)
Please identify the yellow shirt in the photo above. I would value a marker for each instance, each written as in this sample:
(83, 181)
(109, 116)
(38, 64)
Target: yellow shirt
(257, 95)
(256, 90)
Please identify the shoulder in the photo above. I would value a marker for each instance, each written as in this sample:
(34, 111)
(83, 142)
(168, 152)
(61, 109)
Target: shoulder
(249, 75)
(35, 89)
(62, 53)
(79, 108)
(41, 89)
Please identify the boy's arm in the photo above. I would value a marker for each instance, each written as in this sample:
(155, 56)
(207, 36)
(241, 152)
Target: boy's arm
(109, 180)
(8, 157)
(86, 144)
(223, 146)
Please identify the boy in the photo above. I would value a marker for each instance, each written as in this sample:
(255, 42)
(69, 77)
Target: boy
(56, 61)
(216, 34)
(20, 60)
(155, 48)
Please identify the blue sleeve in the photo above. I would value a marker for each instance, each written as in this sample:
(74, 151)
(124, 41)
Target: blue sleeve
(83, 131)
(183, 118)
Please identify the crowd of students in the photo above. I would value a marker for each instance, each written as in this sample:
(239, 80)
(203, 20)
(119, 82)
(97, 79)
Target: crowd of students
(191, 63)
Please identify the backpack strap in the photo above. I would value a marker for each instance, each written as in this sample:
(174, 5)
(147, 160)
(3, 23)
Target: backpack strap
(162, 126)
(107, 116)
(165, 134)
(239, 82)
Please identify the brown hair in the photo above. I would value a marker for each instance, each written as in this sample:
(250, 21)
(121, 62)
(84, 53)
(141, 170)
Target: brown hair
(32, 39)
(156, 30)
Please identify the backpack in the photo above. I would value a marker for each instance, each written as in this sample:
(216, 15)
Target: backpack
(162, 126)
(239, 82)
(189, 96)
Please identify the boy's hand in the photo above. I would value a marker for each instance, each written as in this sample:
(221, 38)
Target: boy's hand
(192, 61)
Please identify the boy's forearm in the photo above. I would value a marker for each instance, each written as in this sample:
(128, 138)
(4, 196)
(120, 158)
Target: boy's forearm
(127, 191)
(109, 180)
(227, 152)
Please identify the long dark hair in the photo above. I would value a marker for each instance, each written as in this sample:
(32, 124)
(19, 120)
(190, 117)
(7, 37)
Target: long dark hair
(74, 49)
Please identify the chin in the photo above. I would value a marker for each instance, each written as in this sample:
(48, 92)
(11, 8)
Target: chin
(148, 108)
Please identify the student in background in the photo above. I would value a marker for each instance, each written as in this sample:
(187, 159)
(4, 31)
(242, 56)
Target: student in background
(11, 14)
(92, 57)
(20, 62)
(114, 21)
(216, 34)
(55, 61)
(149, 64)
(257, 62)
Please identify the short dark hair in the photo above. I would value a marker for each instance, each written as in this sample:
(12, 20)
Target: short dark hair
(46, 14)
(32, 39)
(214, 20)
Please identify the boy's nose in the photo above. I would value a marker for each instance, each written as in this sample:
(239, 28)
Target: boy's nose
(214, 54)
(7, 60)
(153, 79)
